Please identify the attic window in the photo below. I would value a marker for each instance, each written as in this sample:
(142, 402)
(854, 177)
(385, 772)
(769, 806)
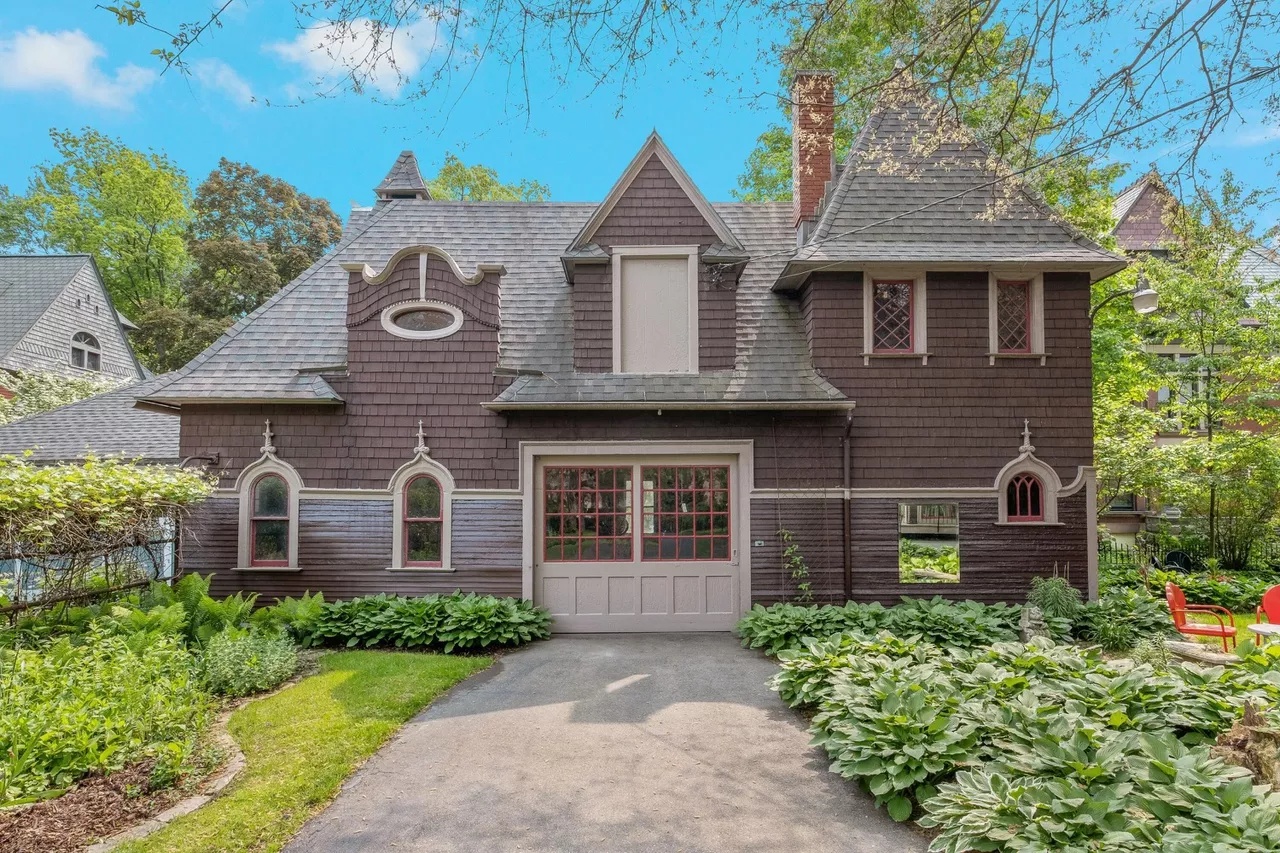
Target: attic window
(422, 320)
(86, 354)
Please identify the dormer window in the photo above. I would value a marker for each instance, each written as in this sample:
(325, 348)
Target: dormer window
(655, 309)
(85, 352)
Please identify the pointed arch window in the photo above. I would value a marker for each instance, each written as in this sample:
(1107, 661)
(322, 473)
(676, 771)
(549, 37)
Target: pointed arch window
(1024, 498)
(270, 522)
(424, 522)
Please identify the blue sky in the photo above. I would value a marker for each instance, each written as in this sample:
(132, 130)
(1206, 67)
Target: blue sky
(66, 65)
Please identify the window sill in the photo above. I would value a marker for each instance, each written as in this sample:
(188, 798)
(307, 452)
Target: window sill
(419, 569)
(266, 569)
(1030, 523)
(1043, 356)
(923, 356)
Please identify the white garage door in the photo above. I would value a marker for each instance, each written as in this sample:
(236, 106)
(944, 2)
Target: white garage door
(637, 545)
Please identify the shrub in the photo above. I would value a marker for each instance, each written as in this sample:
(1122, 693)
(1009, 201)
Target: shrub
(961, 624)
(236, 663)
(457, 621)
(1054, 597)
(69, 710)
(1120, 618)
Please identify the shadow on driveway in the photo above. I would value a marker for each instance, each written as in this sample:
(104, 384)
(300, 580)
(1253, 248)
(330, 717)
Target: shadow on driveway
(620, 742)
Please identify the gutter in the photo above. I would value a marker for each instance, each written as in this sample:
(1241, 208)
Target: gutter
(674, 405)
(848, 508)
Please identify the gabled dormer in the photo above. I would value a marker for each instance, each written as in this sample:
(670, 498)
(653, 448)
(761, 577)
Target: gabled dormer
(654, 271)
(403, 181)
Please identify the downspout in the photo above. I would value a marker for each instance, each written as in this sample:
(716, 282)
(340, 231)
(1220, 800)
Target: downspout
(847, 504)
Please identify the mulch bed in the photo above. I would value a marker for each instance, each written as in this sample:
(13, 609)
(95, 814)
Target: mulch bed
(97, 807)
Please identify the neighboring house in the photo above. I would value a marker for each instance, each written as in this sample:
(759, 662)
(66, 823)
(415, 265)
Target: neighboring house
(56, 317)
(612, 408)
(1141, 212)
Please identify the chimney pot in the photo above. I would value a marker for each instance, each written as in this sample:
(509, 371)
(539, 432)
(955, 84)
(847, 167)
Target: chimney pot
(812, 141)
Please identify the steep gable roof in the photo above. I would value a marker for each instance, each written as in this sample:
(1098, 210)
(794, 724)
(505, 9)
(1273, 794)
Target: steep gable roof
(404, 177)
(919, 188)
(28, 286)
(655, 147)
(1139, 211)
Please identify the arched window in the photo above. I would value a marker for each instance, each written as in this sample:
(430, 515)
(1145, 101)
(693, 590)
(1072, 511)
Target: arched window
(423, 522)
(270, 522)
(85, 352)
(1024, 498)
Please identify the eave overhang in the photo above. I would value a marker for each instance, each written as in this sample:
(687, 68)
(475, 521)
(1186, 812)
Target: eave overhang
(796, 273)
(673, 405)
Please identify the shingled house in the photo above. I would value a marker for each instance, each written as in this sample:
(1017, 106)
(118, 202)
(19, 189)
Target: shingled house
(613, 408)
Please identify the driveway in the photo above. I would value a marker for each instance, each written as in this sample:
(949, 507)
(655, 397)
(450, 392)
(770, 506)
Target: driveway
(641, 742)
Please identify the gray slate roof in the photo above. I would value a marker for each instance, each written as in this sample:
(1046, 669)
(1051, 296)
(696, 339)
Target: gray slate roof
(403, 177)
(28, 286)
(107, 424)
(902, 198)
(303, 327)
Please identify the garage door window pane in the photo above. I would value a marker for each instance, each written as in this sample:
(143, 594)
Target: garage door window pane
(686, 513)
(586, 514)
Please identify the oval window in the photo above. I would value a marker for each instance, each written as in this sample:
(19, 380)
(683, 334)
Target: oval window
(422, 320)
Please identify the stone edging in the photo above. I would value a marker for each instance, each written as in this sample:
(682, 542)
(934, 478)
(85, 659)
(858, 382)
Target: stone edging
(209, 789)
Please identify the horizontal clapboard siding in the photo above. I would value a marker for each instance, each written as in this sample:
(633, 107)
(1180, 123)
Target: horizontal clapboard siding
(344, 549)
(815, 526)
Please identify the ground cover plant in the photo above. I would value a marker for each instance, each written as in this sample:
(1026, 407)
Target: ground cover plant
(69, 709)
(301, 743)
(1040, 746)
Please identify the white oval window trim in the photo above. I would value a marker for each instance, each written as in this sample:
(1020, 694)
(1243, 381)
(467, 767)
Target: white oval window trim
(391, 312)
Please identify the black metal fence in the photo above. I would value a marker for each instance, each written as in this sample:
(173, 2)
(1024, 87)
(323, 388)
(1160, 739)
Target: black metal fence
(1184, 555)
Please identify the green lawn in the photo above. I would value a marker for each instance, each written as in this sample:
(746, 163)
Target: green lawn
(303, 742)
(1243, 620)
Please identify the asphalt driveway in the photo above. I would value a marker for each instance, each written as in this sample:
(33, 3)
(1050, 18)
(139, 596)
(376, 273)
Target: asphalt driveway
(642, 742)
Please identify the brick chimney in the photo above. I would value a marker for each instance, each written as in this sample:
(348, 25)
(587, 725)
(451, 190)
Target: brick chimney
(813, 127)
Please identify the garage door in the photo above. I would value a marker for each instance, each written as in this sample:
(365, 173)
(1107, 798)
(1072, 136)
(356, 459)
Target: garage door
(637, 545)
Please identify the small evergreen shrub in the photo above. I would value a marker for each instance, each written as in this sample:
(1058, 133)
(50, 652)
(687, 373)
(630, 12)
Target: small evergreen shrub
(237, 663)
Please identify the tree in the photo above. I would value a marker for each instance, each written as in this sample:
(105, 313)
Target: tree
(973, 70)
(127, 208)
(34, 393)
(460, 182)
(1226, 55)
(1224, 375)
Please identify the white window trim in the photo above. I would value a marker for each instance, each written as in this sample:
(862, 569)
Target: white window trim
(1037, 316)
(421, 464)
(96, 349)
(622, 252)
(919, 313)
(268, 464)
(390, 313)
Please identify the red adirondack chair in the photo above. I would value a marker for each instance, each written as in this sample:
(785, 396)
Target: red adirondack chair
(1225, 629)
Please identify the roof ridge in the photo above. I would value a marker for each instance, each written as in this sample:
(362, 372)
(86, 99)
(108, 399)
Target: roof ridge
(244, 322)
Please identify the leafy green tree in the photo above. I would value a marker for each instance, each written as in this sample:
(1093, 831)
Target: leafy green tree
(127, 208)
(460, 182)
(34, 393)
(1223, 330)
(974, 68)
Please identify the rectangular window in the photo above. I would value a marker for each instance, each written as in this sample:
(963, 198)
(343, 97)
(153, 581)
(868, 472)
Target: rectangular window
(893, 316)
(1013, 316)
(586, 514)
(655, 313)
(686, 513)
(929, 543)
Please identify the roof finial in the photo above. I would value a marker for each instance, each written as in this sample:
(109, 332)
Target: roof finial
(267, 435)
(1027, 446)
(422, 442)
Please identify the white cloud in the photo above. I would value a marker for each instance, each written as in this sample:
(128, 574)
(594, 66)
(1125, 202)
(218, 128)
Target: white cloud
(219, 76)
(67, 61)
(327, 52)
(1250, 136)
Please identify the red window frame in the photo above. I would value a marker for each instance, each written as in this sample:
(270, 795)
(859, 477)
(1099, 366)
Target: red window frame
(1024, 498)
(573, 508)
(254, 518)
(413, 519)
(660, 526)
(1025, 286)
(911, 315)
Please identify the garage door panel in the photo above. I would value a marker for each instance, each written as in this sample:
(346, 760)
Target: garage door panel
(653, 594)
(721, 596)
(556, 595)
(622, 596)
